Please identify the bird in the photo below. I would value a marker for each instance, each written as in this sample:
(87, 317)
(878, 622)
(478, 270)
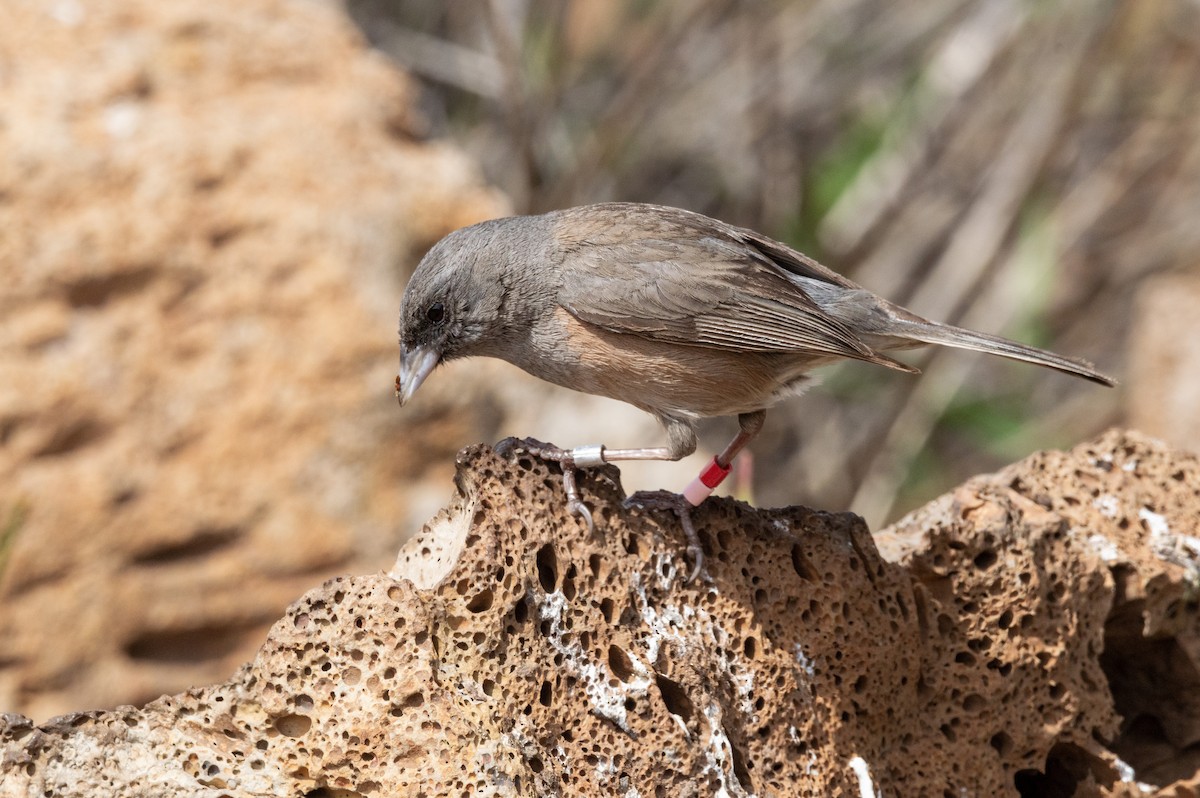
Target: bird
(681, 315)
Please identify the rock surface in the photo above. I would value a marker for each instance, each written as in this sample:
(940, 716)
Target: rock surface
(988, 644)
(205, 208)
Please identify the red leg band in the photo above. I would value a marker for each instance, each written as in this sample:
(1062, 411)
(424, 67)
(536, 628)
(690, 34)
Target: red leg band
(714, 473)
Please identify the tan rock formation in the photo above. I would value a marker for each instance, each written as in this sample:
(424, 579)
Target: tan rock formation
(205, 207)
(509, 652)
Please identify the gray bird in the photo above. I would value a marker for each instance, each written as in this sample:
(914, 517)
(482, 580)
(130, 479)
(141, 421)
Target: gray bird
(681, 315)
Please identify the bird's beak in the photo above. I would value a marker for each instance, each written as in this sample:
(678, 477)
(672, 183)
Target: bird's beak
(416, 364)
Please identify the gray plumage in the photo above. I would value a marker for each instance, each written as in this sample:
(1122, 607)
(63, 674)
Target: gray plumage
(673, 312)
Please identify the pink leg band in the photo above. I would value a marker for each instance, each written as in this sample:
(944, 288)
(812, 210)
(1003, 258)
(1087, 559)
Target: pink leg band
(702, 486)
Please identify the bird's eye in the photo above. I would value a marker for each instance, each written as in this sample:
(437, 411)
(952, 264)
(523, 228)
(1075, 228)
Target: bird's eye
(436, 312)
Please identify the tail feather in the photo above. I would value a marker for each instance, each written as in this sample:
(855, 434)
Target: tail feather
(946, 335)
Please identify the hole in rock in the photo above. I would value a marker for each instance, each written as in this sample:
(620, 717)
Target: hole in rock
(1066, 766)
(801, 564)
(547, 568)
(568, 586)
(414, 700)
(985, 559)
(740, 769)
(675, 698)
(521, 611)
(619, 663)
(482, 602)
(1156, 690)
(293, 725)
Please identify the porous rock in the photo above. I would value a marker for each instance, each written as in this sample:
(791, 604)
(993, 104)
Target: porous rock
(510, 652)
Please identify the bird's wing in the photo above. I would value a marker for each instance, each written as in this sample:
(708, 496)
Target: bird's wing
(681, 278)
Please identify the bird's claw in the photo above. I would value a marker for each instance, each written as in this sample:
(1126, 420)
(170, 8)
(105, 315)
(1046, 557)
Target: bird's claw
(574, 503)
(578, 508)
(566, 461)
(676, 503)
(696, 551)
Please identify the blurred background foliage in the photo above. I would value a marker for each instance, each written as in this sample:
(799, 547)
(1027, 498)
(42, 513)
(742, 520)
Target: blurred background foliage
(1017, 167)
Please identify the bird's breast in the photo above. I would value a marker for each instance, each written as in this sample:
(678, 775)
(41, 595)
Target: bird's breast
(660, 377)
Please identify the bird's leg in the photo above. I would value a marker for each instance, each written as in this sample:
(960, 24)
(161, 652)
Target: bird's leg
(701, 487)
(681, 441)
(715, 472)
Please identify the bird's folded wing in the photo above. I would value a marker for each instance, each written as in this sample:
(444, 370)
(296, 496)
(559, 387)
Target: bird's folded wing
(707, 291)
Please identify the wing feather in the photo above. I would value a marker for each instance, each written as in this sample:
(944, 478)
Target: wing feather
(670, 275)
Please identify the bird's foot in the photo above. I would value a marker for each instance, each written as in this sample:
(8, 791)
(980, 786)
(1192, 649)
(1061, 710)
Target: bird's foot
(569, 460)
(682, 507)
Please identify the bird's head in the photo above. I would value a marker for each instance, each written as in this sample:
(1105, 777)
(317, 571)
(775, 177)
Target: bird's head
(452, 306)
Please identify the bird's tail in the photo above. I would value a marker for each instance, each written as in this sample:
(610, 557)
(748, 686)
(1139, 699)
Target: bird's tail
(933, 333)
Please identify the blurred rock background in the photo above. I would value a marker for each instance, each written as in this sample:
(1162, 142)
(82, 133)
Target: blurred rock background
(208, 210)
